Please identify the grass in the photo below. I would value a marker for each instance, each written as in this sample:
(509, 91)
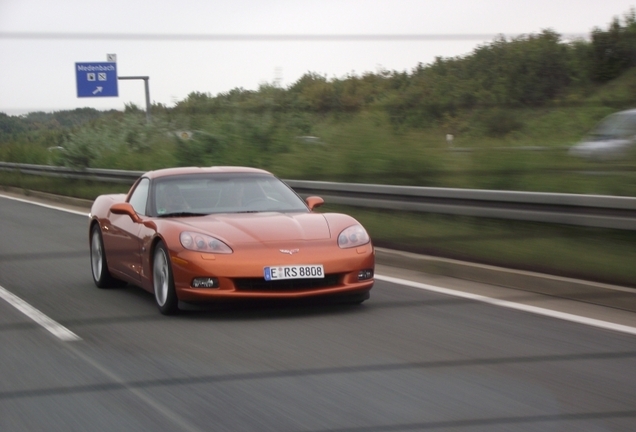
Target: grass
(594, 254)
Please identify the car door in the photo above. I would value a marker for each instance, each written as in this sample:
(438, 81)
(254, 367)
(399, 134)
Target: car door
(122, 241)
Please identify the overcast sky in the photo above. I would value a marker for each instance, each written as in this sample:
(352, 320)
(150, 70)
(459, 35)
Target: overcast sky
(38, 49)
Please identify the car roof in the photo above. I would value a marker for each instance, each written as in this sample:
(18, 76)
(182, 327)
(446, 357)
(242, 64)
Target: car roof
(629, 112)
(166, 172)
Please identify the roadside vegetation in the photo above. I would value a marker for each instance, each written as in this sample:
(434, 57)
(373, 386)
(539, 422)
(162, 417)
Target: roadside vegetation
(512, 106)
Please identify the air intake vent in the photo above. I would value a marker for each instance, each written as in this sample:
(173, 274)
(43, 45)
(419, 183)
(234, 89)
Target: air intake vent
(261, 285)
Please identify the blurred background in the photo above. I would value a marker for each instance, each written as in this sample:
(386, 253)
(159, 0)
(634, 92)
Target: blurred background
(523, 107)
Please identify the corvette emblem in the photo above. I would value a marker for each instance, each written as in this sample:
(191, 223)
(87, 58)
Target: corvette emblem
(289, 251)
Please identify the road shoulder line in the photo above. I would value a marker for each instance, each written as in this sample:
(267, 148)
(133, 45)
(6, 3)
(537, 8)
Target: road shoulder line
(511, 305)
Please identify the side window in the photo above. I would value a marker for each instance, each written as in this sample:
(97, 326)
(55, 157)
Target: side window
(139, 197)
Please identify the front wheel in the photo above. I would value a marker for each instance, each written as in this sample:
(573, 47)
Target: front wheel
(163, 281)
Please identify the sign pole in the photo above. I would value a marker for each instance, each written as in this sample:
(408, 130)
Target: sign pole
(147, 87)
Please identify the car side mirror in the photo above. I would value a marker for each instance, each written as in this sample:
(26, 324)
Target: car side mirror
(125, 209)
(314, 202)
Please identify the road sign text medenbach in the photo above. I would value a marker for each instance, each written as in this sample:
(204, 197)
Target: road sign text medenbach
(96, 79)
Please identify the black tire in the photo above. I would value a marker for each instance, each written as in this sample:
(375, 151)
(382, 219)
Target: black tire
(99, 266)
(163, 281)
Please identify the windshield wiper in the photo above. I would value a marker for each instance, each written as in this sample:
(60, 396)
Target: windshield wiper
(182, 214)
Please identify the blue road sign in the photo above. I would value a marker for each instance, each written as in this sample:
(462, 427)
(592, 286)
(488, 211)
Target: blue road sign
(96, 79)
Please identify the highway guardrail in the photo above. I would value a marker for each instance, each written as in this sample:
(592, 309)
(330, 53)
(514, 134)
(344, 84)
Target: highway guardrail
(572, 209)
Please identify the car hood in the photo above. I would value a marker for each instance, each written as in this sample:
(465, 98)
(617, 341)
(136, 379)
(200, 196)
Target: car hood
(261, 227)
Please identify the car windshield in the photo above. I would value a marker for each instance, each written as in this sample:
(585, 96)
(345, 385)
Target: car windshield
(195, 195)
(617, 125)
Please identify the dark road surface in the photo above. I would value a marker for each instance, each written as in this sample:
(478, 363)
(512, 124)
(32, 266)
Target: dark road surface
(406, 360)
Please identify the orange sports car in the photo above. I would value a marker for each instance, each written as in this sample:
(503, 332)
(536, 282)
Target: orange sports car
(225, 233)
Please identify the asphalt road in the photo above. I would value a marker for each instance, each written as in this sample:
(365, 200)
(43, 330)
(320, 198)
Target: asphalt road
(406, 360)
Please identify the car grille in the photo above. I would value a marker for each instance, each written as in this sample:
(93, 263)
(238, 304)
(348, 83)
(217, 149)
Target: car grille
(260, 284)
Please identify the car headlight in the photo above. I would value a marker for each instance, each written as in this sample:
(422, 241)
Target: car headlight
(203, 243)
(353, 236)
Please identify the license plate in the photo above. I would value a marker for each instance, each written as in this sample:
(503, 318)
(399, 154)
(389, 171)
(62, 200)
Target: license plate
(311, 271)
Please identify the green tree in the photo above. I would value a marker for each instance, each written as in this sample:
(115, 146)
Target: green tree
(614, 50)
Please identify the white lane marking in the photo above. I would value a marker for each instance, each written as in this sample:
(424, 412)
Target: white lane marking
(57, 329)
(66, 335)
(508, 304)
(44, 205)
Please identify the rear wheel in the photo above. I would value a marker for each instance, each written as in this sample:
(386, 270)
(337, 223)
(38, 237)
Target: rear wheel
(99, 267)
(163, 281)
